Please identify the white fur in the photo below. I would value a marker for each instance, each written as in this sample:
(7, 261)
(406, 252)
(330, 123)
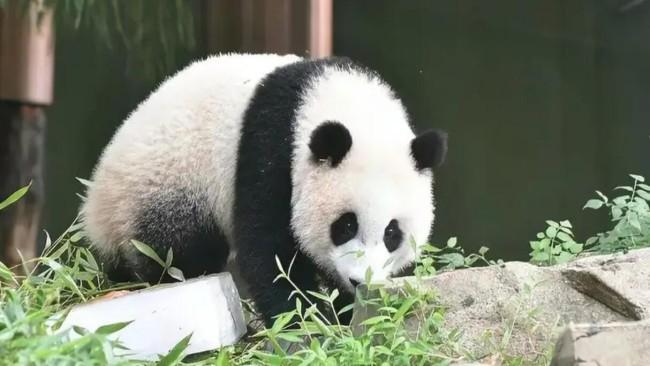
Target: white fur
(377, 180)
(184, 135)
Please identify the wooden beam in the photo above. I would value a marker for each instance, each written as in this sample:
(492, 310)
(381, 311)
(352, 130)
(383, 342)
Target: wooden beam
(22, 137)
(320, 28)
(26, 73)
(302, 27)
(26, 54)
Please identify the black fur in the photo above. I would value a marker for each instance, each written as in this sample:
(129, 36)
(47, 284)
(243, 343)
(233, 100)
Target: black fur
(344, 228)
(263, 189)
(393, 236)
(330, 141)
(181, 221)
(429, 149)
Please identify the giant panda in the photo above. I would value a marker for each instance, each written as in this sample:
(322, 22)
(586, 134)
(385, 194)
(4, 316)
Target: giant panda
(257, 156)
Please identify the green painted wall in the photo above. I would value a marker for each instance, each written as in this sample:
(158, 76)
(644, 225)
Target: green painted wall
(545, 101)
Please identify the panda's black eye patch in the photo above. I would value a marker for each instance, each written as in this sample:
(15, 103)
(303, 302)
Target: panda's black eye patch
(330, 141)
(344, 228)
(393, 236)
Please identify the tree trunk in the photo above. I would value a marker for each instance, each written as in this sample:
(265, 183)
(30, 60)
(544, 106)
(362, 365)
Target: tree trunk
(26, 68)
(22, 135)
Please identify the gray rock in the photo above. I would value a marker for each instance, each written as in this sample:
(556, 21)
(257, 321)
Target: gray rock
(518, 309)
(615, 344)
(208, 307)
(620, 281)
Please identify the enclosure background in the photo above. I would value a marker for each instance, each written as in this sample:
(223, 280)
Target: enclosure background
(544, 101)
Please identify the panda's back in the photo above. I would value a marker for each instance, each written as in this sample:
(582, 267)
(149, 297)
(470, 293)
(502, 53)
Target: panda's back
(176, 153)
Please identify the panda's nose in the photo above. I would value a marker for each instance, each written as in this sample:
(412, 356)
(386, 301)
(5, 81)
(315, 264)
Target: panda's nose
(354, 283)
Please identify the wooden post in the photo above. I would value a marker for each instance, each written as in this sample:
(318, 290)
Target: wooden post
(320, 28)
(26, 69)
(302, 27)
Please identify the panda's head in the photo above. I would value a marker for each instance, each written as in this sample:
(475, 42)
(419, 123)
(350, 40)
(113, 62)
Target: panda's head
(362, 180)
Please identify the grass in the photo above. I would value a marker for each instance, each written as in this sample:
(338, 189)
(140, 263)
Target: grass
(35, 298)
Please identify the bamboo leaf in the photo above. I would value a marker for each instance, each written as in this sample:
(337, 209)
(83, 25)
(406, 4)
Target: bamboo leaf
(176, 273)
(112, 328)
(148, 251)
(14, 196)
(175, 355)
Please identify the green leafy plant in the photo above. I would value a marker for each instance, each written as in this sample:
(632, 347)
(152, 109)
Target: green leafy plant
(306, 335)
(449, 257)
(34, 304)
(166, 264)
(555, 245)
(630, 214)
(15, 196)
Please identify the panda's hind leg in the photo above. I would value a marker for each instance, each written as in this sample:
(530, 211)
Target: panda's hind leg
(183, 223)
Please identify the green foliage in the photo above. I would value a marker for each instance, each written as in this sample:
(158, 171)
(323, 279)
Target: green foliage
(308, 336)
(14, 196)
(175, 355)
(555, 245)
(173, 272)
(630, 216)
(151, 32)
(31, 306)
(449, 257)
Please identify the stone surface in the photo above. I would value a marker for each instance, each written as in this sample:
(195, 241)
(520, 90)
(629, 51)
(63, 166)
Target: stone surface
(519, 309)
(208, 307)
(615, 344)
(621, 282)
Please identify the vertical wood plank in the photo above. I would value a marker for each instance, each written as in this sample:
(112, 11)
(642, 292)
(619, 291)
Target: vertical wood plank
(280, 26)
(22, 135)
(26, 76)
(26, 55)
(320, 28)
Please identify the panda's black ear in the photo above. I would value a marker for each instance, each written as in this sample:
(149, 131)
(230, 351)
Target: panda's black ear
(429, 149)
(330, 141)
